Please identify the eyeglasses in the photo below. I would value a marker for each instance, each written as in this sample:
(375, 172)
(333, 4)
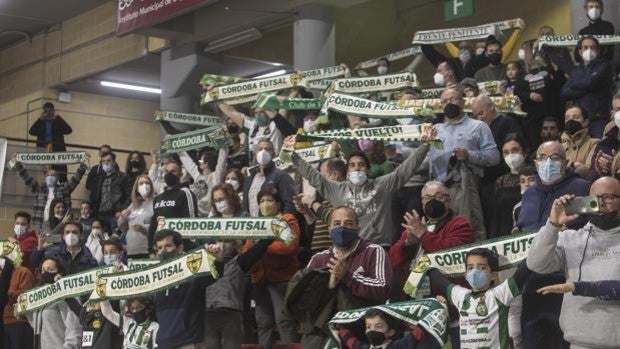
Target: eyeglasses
(608, 198)
(553, 157)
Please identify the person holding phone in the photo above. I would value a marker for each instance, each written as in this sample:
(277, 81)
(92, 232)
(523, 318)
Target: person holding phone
(584, 254)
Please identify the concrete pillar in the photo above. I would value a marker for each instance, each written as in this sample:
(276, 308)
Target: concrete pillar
(611, 13)
(314, 33)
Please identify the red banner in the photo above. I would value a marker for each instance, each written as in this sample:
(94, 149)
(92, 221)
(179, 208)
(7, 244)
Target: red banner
(136, 14)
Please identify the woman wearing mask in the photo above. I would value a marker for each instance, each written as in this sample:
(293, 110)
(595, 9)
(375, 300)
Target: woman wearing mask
(270, 275)
(507, 187)
(135, 220)
(235, 178)
(135, 166)
(226, 203)
(57, 220)
(55, 325)
(138, 325)
(98, 233)
(206, 176)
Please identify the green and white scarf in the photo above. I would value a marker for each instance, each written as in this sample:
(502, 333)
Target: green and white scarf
(10, 250)
(408, 52)
(214, 137)
(230, 228)
(67, 287)
(429, 37)
(187, 118)
(432, 93)
(155, 278)
(219, 80)
(572, 39)
(365, 108)
(58, 158)
(254, 87)
(381, 83)
(503, 104)
(326, 73)
(385, 133)
(511, 250)
(429, 314)
(139, 264)
(270, 101)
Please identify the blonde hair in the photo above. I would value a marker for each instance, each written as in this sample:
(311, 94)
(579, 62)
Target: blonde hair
(136, 198)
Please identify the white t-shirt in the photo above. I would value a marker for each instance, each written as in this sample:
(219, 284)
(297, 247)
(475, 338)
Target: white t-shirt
(46, 210)
(484, 315)
(140, 336)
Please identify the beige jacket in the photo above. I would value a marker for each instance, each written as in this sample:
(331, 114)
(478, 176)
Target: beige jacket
(580, 147)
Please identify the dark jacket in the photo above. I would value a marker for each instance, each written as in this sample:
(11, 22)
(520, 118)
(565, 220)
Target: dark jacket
(83, 261)
(610, 145)
(172, 203)
(60, 128)
(538, 199)
(120, 192)
(600, 27)
(276, 178)
(590, 87)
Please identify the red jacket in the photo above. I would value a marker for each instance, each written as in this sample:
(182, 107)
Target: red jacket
(27, 244)
(22, 280)
(279, 263)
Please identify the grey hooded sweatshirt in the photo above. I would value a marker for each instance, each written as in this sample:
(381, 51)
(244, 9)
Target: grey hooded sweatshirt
(372, 201)
(594, 254)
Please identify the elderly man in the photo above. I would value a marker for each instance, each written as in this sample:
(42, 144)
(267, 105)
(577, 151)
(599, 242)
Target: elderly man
(539, 320)
(577, 142)
(585, 254)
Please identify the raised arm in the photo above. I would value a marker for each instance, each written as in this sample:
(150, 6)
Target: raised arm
(230, 111)
(73, 182)
(189, 165)
(27, 178)
(109, 313)
(395, 180)
(322, 184)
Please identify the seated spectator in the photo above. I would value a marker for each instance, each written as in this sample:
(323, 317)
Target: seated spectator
(135, 166)
(580, 255)
(49, 190)
(577, 142)
(606, 161)
(590, 85)
(74, 256)
(85, 218)
(527, 178)
(507, 191)
(235, 178)
(596, 25)
(266, 174)
(135, 220)
(550, 129)
(470, 87)
(206, 176)
(495, 70)
(25, 236)
(59, 215)
(55, 325)
(271, 274)
(113, 189)
(138, 325)
(226, 202)
(17, 332)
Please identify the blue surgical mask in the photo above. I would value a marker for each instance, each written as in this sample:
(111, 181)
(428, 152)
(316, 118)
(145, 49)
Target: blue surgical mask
(107, 168)
(109, 259)
(50, 181)
(342, 236)
(261, 119)
(477, 278)
(549, 171)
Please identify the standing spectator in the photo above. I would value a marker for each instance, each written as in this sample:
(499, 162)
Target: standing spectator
(270, 275)
(113, 191)
(25, 236)
(136, 219)
(445, 75)
(56, 325)
(138, 325)
(17, 332)
(577, 142)
(225, 201)
(177, 201)
(582, 255)
(51, 189)
(50, 130)
(135, 166)
(266, 174)
(495, 70)
(95, 173)
(590, 85)
(235, 178)
(206, 176)
(607, 153)
(596, 25)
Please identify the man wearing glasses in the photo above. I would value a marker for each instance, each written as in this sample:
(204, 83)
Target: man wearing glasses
(586, 254)
(540, 314)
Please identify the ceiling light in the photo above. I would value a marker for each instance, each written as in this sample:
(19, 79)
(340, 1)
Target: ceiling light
(131, 87)
(268, 75)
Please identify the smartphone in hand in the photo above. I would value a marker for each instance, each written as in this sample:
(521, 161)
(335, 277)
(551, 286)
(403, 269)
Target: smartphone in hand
(582, 205)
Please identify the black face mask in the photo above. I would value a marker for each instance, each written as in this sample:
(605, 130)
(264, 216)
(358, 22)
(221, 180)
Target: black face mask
(572, 127)
(605, 221)
(134, 163)
(375, 337)
(495, 58)
(166, 256)
(139, 316)
(47, 277)
(233, 129)
(451, 111)
(434, 209)
(171, 179)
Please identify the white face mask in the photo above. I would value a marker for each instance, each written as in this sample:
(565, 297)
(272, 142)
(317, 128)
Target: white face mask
(464, 55)
(263, 157)
(50, 181)
(588, 55)
(438, 79)
(309, 126)
(71, 240)
(95, 232)
(382, 70)
(144, 190)
(222, 207)
(594, 13)
(357, 177)
(480, 50)
(234, 183)
(514, 161)
(19, 229)
(617, 119)
(521, 54)
(59, 216)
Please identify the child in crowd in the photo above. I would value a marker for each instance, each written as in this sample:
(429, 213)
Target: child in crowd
(86, 219)
(139, 325)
